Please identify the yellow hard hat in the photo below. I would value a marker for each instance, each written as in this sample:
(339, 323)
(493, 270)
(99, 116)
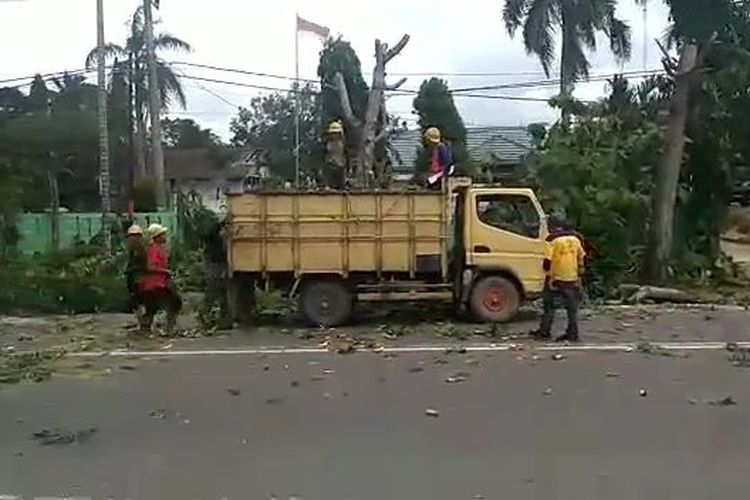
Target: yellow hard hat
(156, 230)
(432, 134)
(335, 127)
(135, 230)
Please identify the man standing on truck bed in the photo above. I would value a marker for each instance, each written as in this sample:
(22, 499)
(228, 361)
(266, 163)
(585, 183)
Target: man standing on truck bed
(441, 157)
(564, 266)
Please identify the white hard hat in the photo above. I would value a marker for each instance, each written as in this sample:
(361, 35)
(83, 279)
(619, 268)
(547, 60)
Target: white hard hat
(155, 230)
(135, 230)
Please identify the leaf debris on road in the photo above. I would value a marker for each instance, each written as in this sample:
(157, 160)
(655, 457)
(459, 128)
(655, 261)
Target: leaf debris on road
(63, 436)
(159, 414)
(234, 391)
(457, 378)
(431, 412)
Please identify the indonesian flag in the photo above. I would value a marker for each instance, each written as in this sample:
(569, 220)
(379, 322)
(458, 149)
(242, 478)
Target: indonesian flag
(311, 27)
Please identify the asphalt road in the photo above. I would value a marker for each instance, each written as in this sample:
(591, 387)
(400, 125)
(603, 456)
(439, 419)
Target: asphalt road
(329, 427)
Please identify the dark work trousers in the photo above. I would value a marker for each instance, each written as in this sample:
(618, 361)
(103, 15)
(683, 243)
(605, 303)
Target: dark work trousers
(567, 292)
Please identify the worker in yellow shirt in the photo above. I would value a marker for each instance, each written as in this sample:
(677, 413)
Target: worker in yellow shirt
(564, 267)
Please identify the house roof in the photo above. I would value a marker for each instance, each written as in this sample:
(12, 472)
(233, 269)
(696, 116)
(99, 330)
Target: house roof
(507, 145)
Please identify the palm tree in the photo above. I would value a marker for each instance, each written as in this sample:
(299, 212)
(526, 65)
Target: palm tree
(578, 22)
(130, 64)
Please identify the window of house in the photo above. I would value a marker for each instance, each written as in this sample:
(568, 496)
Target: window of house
(513, 213)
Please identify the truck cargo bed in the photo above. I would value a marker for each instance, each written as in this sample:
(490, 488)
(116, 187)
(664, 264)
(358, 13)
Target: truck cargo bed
(339, 233)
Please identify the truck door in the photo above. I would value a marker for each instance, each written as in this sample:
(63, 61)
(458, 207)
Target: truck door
(506, 230)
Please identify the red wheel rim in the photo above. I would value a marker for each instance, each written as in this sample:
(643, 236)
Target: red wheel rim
(494, 299)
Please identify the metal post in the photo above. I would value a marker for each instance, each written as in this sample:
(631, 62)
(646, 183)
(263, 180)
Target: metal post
(296, 104)
(104, 177)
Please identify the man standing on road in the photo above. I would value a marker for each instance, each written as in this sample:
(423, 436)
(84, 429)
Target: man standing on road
(564, 267)
(135, 267)
(155, 284)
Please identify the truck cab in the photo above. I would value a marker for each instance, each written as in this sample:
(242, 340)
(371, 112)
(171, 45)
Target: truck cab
(500, 241)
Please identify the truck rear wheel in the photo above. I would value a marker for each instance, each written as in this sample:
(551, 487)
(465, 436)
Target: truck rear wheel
(494, 299)
(326, 303)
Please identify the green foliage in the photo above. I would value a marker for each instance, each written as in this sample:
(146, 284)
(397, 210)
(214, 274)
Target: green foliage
(194, 220)
(184, 133)
(78, 281)
(598, 173)
(268, 125)
(338, 56)
(434, 107)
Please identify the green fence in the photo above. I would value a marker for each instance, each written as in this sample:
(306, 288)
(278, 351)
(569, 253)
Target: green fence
(76, 229)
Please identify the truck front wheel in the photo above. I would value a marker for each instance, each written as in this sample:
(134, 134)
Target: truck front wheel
(494, 299)
(326, 303)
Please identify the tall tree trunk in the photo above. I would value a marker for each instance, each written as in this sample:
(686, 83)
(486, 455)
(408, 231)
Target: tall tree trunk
(104, 179)
(139, 143)
(154, 101)
(54, 197)
(668, 170)
(566, 72)
(137, 163)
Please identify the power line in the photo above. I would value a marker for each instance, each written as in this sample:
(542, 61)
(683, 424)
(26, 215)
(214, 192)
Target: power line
(248, 85)
(48, 75)
(555, 82)
(243, 72)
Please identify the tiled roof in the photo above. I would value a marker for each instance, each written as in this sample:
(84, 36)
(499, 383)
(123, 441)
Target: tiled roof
(508, 145)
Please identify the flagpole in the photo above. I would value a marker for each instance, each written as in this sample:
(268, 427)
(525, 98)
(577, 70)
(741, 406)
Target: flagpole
(296, 101)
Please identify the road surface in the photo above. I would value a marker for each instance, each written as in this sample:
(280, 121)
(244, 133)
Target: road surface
(593, 425)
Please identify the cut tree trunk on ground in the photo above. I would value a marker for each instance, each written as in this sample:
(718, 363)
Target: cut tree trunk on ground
(638, 294)
(668, 170)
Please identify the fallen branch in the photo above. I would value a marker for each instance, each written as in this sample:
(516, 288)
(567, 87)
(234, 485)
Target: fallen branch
(635, 294)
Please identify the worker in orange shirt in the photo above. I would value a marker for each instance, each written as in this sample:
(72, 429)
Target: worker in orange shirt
(564, 265)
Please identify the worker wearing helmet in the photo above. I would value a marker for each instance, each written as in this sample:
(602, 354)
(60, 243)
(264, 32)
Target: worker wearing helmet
(441, 157)
(335, 170)
(135, 267)
(157, 292)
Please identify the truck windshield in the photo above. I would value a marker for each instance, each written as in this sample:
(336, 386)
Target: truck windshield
(513, 213)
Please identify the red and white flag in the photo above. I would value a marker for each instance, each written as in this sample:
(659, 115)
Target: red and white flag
(310, 27)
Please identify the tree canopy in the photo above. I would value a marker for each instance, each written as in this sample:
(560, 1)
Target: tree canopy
(268, 124)
(434, 107)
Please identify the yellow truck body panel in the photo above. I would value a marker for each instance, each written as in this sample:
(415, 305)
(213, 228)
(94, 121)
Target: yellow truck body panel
(337, 232)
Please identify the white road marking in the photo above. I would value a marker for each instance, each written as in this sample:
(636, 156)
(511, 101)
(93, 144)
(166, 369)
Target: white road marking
(620, 347)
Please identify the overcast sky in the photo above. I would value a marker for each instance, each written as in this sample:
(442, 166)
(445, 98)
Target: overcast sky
(446, 37)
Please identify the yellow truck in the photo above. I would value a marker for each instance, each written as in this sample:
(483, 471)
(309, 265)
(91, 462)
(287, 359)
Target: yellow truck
(480, 246)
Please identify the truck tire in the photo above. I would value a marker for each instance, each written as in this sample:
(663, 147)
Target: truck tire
(494, 299)
(326, 303)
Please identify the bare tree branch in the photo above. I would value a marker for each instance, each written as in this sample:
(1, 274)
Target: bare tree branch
(669, 62)
(391, 53)
(396, 85)
(346, 106)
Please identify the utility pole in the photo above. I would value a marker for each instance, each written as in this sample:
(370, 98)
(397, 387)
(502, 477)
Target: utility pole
(154, 108)
(104, 179)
